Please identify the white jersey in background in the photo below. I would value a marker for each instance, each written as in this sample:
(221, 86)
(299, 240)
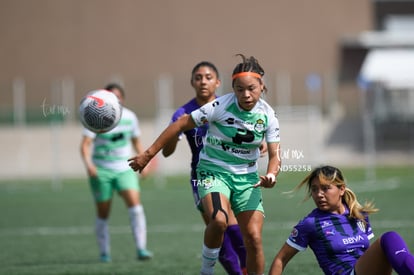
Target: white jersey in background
(112, 149)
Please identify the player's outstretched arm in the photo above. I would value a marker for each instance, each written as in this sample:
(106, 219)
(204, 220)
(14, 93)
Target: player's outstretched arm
(184, 123)
(169, 148)
(282, 258)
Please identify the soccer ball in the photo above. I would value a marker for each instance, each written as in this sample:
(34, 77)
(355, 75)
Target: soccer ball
(100, 111)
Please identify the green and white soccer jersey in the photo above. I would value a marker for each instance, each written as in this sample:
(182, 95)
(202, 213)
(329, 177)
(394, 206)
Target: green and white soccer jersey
(112, 149)
(234, 136)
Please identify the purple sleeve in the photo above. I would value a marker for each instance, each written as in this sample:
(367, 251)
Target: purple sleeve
(299, 237)
(177, 114)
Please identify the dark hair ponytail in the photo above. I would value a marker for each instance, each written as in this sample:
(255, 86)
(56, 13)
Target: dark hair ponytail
(250, 64)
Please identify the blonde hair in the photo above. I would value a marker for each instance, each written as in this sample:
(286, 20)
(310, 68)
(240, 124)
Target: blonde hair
(332, 175)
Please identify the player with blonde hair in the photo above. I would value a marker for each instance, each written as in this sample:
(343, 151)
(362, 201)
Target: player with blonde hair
(339, 232)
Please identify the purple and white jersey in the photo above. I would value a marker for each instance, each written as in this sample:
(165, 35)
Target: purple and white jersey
(336, 240)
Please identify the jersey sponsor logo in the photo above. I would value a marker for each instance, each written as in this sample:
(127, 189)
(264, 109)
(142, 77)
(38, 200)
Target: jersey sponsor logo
(117, 137)
(239, 151)
(352, 240)
(326, 224)
(243, 136)
(250, 126)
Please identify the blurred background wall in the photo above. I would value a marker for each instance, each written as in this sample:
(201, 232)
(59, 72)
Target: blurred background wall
(54, 51)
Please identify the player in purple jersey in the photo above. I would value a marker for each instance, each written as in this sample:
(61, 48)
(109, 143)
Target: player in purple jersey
(205, 80)
(338, 232)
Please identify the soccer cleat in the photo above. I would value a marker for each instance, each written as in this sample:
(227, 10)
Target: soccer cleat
(105, 258)
(144, 254)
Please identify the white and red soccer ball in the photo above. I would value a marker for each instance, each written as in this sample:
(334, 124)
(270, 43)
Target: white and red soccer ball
(100, 111)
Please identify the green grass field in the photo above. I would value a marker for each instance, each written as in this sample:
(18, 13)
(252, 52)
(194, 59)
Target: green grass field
(44, 230)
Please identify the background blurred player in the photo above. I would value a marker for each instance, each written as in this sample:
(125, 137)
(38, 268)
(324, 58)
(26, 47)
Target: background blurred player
(105, 157)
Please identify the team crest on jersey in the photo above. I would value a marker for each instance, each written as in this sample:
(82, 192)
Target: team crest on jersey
(361, 226)
(294, 233)
(259, 126)
(207, 184)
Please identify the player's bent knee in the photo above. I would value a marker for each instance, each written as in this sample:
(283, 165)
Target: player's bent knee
(253, 239)
(219, 224)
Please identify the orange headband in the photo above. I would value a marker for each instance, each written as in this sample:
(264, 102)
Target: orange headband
(246, 74)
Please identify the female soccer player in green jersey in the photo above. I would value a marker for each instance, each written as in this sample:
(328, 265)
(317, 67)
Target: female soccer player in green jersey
(105, 158)
(227, 172)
